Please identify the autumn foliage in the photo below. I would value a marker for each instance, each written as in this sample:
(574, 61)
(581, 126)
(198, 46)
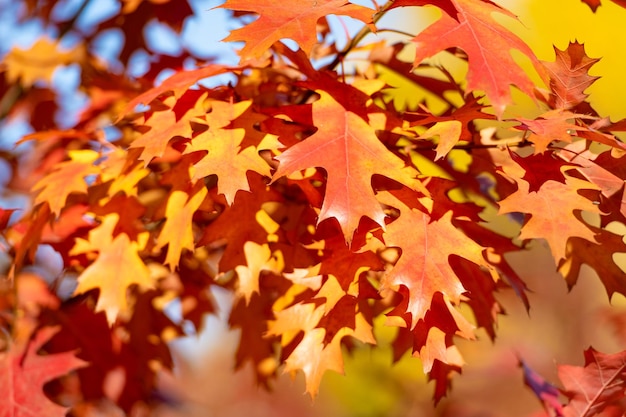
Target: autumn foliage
(299, 181)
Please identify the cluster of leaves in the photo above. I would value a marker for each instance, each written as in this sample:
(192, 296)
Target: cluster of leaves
(307, 188)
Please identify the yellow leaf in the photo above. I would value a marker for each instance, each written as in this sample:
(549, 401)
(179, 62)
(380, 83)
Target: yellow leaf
(117, 267)
(177, 231)
(66, 178)
(39, 62)
(259, 258)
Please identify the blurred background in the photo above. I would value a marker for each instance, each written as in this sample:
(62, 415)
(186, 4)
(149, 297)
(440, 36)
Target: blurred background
(559, 326)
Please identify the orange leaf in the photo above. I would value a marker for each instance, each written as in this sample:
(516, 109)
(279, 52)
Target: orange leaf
(424, 266)
(66, 178)
(551, 210)
(549, 127)
(177, 230)
(347, 147)
(259, 258)
(39, 62)
(163, 127)
(226, 160)
(117, 267)
(569, 76)
(224, 156)
(314, 357)
(449, 132)
(23, 374)
(294, 20)
(487, 44)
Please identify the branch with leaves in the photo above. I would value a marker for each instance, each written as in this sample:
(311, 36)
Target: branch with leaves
(318, 196)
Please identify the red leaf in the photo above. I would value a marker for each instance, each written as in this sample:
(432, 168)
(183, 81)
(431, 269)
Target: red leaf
(424, 267)
(487, 44)
(552, 212)
(295, 20)
(347, 147)
(569, 76)
(596, 386)
(178, 83)
(23, 374)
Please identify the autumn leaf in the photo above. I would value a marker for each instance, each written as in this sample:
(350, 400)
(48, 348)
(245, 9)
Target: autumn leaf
(225, 159)
(39, 62)
(596, 386)
(177, 84)
(243, 212)
(598, 254)
(540, 168)
(259, 258)
(294, 20)
(163, 127)
(569, 76)
(424, 266)
(66, 178)
(346, 146)
(314, 357)
(548, 127)
(177, 230)
(222, 153)
(117, 267)
(448, 131)
(551, 210)
(23, 373)
(487, 44)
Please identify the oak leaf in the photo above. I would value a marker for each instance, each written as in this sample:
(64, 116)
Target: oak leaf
(164, 126)
(314, 357)
(424, 266)
(39, 61)
(449, 133)
(487, 44)
(569, 76)
(259, 258)
(243, 213)
(23, 373)
(177, 230)
(294, 20)
(551, 210)
(599, 256)
(223, 155)
(67, 177)
(548, 127)
(347, 147)
(596, 386)
(225, 159)
(117, 267)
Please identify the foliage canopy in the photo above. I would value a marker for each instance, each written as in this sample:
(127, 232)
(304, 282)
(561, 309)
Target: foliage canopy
(306, 186)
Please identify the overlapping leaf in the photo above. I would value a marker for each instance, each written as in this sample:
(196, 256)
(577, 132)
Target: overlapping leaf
(487, 44)
(117, 267)
(424, 266)
(294, 20)
(597, 386)
(551, 210)
(346, 146)
(23, 373)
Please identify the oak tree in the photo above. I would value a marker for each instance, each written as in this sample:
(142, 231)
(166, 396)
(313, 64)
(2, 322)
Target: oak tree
(298, 179)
